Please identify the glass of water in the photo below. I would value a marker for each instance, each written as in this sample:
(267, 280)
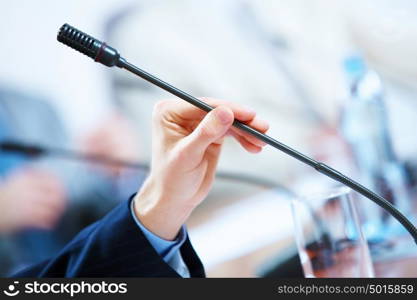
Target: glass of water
(329, 238)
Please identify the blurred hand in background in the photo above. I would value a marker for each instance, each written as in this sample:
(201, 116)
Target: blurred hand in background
(30, 198)
(114, 138)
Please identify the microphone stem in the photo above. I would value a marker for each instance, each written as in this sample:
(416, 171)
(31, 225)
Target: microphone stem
(100, 159)
(35, 151)
(319, 166)
(204, 106)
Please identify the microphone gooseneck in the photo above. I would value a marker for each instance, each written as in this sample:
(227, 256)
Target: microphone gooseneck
(109, 56)
(37, 151)
(28, 150)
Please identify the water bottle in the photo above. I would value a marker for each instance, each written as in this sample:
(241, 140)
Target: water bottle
(364, 125)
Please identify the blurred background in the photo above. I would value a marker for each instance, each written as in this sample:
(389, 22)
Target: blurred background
(337, 80)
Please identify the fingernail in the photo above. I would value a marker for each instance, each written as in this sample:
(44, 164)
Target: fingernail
(223, 116)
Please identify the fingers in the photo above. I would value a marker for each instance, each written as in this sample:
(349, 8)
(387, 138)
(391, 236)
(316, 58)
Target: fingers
(40, 203)
(210, 130)
(258, 124)
(182, 110)
(240, 112)
(36, 216)
(49, 189)
(188, 116)
(250, 147)
(42, 217)
(37, 210)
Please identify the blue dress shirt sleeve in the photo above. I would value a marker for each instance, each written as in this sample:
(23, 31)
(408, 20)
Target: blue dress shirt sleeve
(168, 250)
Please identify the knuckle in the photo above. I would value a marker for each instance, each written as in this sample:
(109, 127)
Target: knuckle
(205, 132)
(163, 110)
(160, 107)
(179, 154)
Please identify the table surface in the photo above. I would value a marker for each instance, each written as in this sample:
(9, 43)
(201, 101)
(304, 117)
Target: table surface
(231, 244)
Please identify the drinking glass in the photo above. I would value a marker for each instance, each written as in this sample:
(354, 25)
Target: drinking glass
(329, 238)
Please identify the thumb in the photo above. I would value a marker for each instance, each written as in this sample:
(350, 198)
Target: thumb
(213, 127)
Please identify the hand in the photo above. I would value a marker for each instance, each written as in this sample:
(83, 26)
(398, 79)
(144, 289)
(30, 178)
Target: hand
(114, 139)
(30, 198)
(185, 150)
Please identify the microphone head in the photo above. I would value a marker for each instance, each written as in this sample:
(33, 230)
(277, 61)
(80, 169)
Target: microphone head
(88, 45)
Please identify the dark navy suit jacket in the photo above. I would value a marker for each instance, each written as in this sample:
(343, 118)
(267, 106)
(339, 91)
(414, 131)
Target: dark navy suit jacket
(113, 247)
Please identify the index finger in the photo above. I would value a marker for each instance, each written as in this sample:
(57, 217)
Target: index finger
(187, 111)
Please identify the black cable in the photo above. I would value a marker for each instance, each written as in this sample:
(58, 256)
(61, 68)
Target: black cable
(35, 151)
(110, 57)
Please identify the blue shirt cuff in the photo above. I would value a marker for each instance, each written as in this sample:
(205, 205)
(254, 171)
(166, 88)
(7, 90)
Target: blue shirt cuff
(168, 250)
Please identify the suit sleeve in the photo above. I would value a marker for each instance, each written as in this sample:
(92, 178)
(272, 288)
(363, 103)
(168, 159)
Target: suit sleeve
(113, 247)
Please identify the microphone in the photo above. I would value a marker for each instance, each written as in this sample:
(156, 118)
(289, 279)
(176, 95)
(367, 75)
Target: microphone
(88, 45)
(32, 151)
(108, 56)
(35, 151)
